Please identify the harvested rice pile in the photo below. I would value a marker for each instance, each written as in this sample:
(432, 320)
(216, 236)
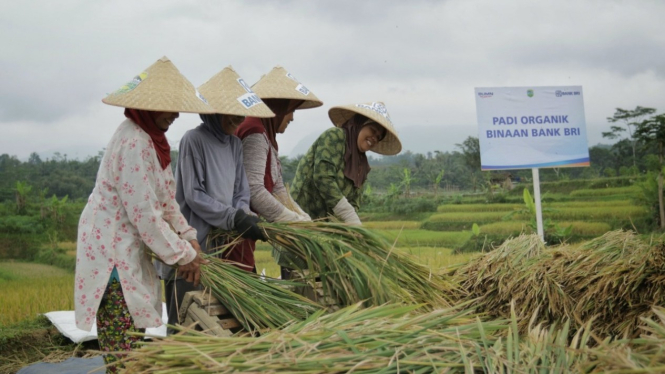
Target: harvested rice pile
(400, 339)
(612, 281)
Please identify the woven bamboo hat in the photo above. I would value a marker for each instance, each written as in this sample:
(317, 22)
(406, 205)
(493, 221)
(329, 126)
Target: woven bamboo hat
(377, 112)
(162, 88)
(227, 93)
(280, 84)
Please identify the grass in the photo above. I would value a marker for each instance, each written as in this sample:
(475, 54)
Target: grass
(605, 191)
(416, 238)
(596, 214)
(450, 208)
(584, 204)
(392, 225)
(28, 289)
(437, 257)
(467, 217)
(68, 247)
(513, 228)
(264, 261)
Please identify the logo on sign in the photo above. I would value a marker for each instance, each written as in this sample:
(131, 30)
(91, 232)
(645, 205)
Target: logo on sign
(559, 93)
(529, 93)
(485, 95)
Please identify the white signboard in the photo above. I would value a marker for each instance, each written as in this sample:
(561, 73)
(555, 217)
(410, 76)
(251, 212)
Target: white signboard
(531, 127)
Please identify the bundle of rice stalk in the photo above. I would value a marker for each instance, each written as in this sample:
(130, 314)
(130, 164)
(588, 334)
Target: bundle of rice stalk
(355, 264)
(257, 303)
(613, 281)
(491, 279)
(382, 339)
(616, 279)
(643, 355)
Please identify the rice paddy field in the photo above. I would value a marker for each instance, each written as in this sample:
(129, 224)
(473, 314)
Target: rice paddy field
(590, 302)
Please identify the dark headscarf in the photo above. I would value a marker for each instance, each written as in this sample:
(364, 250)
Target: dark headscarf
(146, 120)
(213, 123)
(356, 166)
(281, 108)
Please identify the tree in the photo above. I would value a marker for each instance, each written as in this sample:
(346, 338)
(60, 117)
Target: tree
(437, 181)
(629, 119)
(648, 131)
(471, 151)
(22, 191)
(406, 181)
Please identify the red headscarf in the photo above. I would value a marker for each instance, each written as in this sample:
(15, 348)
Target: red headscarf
(281, 108)
(146, 120)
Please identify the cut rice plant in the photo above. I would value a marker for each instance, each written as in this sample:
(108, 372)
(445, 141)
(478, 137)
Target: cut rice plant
(612, 281)
(383, 339)
(399, 339)
(355, 264)
(256, 302)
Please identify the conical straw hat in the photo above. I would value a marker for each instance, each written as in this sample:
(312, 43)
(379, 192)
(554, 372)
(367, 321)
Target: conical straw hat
(227, 93)
(280, 84)
(376, 111)
(161, 88)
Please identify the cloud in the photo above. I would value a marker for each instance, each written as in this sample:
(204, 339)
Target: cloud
(422, 58)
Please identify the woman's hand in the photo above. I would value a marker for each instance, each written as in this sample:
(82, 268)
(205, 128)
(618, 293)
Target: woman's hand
(345, 211)
(191, 272)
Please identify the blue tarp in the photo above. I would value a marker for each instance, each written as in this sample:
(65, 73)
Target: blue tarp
(73, 365)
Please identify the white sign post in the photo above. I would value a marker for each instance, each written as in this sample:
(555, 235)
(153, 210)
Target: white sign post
(531, 128)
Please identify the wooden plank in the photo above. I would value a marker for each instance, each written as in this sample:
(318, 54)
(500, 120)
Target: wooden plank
(216, 310)
(205, 298)
(209, 324)
(229, 323)
(186, 302)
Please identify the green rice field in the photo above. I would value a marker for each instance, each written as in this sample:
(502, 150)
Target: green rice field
(28, 289)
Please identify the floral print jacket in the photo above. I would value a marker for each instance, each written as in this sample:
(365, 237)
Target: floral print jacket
(132, 207)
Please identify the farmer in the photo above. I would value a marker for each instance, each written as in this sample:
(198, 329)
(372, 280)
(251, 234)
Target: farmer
(132, 214)
(330, 177)
(211, 186)
(269, 198)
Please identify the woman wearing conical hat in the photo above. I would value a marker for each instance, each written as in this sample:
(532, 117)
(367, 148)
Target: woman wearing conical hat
(283, 94)
(330, 177)
(131, 208)
(211, 186)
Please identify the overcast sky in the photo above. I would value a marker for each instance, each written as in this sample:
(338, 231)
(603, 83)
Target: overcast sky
(58, 59)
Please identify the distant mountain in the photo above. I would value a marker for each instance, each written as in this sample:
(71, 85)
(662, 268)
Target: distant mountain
(417, 139)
